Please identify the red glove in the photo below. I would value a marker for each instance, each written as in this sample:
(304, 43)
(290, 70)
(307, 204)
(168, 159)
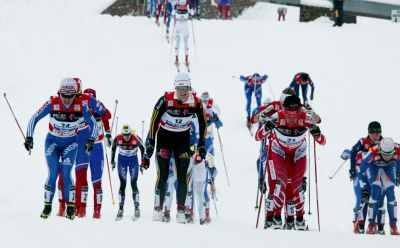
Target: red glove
(145, 163)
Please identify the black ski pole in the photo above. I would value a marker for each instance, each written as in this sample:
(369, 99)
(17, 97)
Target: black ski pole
(15, 118)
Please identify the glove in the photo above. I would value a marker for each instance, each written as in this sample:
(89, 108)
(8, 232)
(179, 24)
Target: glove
(108, 138)
(346, 154)
(197, 158)
(149, 150)
(202, 152)
(365, 196)
(269, 125)
(304, 184)
(113, 165)
(263, 186)
(352, 173)
(315, 131)
(28, 143)
(145, 163)
(89, 145)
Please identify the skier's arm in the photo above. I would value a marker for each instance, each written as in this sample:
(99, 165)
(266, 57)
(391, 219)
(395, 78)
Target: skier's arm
(264, 78)
(42, 112)
(312, 90)
(141, 146)
(244, 78)
(114, 149)
(97, 106)
(365, 162)
(105, 118)
(90, 120)
(158, 111)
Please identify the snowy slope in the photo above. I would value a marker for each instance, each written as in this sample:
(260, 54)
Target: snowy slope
(355, 69)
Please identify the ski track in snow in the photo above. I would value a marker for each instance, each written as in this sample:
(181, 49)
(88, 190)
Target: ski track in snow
(354, 68)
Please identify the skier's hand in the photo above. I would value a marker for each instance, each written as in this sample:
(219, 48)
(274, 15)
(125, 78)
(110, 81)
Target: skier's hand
(197, 158)
(202, 151)
(145, 163)
(315, 131)
(108, 138)
(89, 145)
(149, 150)
(346, 154)
(113, 164)
(352, 173)
(269, 125)
(28, 143)
(365, 196)
(304, 184)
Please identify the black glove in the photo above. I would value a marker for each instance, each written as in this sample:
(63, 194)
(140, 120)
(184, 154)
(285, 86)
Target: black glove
(304, 185)
(28, 143)
(145, 163)
(269, 125)
(89, 145)
(113, 165)
(262, 185)
(108, 138)
(149, 150)
(365, 196)
(352, 173)
(202, 151)
(315, 131)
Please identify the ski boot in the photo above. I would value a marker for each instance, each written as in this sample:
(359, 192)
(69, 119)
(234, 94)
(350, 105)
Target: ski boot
(202, 222)
(96, 213)
(248, 123)
(46, 211)
(180, 216)
(381, 229)
(268, 222)
(189, 216)
(276, 222)
(372, 229)
(137, 212)
(166, 217)
(157, 214)
(119, 214)
(394, 230)
(289, 224)
(61, 210)
(208, 217)
(300, 224)
(80, 211)
(70, 213)
(360, 228)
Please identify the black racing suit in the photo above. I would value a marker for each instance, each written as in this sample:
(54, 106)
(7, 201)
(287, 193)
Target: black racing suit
(171, 121)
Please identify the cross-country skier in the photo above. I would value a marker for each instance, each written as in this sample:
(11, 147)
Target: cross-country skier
(84, 160)
(170, 125)
(360, 181)
(181, 29)
(128, 144)
(224, 9)
(382, 163)
(302, 80)
(288, 151)
(253, 84)
(167, 17)
(66, 112)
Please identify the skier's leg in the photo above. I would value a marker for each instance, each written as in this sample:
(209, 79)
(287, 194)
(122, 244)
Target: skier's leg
(68, 155)
(304, 89)
(122, 174)
(248, 92)
(82, 164)
(134, 172)
(96, 169)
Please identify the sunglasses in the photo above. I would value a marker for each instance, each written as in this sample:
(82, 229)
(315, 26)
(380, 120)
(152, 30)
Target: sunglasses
(182, 88)
(67, 96)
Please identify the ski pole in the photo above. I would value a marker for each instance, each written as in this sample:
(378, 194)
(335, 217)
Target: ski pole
(115, 112)
(338, 169)
(116, 127)
(223, 157)
(194, 41)
(316, 183)
(213, 196)
(108, 170)
(309, 174)
(259, 166)
(262, 195)
(143, 130)
(15, 118)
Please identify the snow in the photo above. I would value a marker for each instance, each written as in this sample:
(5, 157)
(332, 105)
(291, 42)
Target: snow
(354, 69)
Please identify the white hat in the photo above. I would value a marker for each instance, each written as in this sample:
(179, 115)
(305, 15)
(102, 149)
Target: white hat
(68, 86)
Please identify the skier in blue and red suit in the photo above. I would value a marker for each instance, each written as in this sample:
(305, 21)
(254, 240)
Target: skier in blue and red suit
(66, 113)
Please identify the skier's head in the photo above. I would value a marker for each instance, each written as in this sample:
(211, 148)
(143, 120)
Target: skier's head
(126, 132)
(181, 4)
(374, 131)
(204, 96)
(78, 86)
(67, 91)
(285, 93)
(182, 86)
(292, 107)
(90, 91)
(387, 148)
(304, 78)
